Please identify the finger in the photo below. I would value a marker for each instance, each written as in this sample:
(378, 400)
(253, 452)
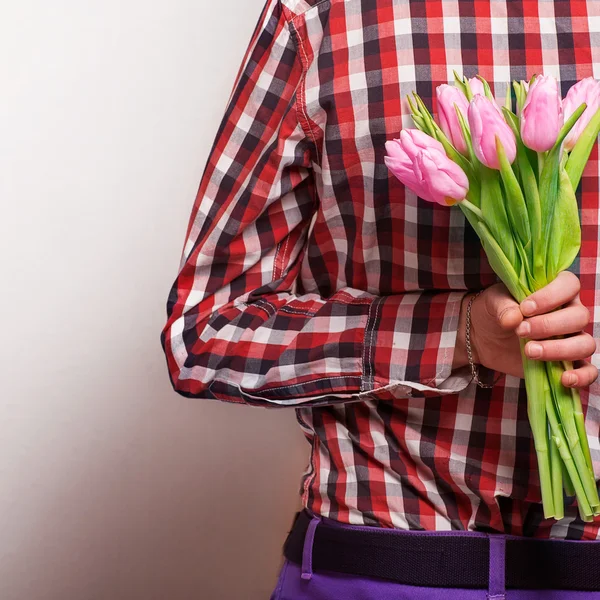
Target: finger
(572, 319)
(581, 377)
(557, 293)
(578, 347)
(500, 305)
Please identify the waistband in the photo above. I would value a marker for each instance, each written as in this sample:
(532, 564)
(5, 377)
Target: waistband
(455, 559)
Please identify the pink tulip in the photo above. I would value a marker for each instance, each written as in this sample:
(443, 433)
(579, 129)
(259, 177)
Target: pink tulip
(542, 114)
(587, 90)
(421, 164)
(476, 86)
(449, 98)
(486, 123)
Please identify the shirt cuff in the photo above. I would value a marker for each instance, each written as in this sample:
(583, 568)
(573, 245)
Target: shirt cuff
(410, 340)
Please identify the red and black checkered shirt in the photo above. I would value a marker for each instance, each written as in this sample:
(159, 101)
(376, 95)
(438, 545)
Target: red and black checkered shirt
(310, 278)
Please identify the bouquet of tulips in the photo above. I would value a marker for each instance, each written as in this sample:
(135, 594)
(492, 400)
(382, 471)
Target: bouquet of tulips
(514, 170)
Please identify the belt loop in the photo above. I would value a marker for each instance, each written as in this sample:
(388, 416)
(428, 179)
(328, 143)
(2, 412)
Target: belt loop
(497, 576)
(309, 539)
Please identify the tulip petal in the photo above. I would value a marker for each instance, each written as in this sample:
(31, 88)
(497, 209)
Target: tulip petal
(542, 114)
(486, 123)
(421, 164)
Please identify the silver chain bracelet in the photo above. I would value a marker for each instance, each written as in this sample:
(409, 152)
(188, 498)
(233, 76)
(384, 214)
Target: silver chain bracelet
(474, 367)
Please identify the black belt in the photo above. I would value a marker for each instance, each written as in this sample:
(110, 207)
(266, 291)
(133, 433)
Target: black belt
(451, 561)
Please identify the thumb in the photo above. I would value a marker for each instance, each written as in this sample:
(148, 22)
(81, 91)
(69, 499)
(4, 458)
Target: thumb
(501, 306)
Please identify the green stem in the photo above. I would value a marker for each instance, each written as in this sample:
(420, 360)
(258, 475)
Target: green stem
(563, 400)
(568, 484)
(585, 518)
(536, 382)
(557, 480)
(541, 161)
(580, 421)
(565, 454)
(472, 208)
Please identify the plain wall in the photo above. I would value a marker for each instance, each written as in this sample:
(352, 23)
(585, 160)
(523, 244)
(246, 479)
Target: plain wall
(111, 485)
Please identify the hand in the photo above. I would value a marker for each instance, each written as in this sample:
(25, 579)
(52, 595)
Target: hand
(543, 321)
(494, 343)
(498, 322)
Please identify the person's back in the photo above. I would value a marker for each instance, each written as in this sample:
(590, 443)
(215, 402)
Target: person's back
(312, 279)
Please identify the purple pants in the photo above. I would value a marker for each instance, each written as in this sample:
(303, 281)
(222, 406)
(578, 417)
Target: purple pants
(299, 582)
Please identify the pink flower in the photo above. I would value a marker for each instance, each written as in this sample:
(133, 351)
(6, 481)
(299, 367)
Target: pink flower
(476, 86)
(542, 114)
(448, 97)
(486, 123)
(421, 164)
(587, 90)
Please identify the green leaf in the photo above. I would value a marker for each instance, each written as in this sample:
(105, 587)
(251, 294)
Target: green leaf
(512, 120)
(526, 275)
(565, 236)
(521, 95)
(508, 98)
(500, 263)
(421, 124)
(460, 84)
(468, 90)
(527, 165)
(548, 197)
(494, 213)
(582, 150)
(464, 127)
(515, 202)
(564, 132)
(486, 88)
(413, 108)
(424, 113)
(532, 198)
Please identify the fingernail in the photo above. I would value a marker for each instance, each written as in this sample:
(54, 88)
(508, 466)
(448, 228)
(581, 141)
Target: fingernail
(534, 350)
(528, 307)
(571, 379)
(524, 329)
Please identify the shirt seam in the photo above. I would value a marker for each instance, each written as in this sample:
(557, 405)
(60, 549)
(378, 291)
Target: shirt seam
(303, 383)
(301, 108)
(301, 14)
(367, 374)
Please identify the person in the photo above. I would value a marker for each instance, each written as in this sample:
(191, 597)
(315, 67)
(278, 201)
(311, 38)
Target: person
(311, 279)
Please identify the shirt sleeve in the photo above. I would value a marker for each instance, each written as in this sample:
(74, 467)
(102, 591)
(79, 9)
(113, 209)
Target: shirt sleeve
(236, 329)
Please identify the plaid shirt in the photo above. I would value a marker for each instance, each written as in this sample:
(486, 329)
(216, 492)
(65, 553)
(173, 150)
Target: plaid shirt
(310, 278)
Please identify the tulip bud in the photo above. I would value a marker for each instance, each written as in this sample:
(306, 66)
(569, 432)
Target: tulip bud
(585, 91)
(449, 98)
(476, 86)
(421, 164)
(542, 114)
(487, 124)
